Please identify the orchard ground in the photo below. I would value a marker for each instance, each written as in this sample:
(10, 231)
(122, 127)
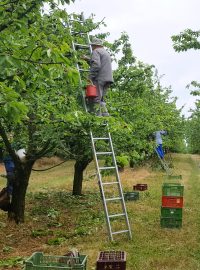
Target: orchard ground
(56, 221)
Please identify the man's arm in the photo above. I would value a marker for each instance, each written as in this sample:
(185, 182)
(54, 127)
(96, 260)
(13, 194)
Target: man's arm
(163, 132)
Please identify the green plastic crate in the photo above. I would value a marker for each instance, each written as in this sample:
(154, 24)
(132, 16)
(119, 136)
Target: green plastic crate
(38, 261)
(131, 196)
(175, 177)
(171, 212)
(172, 189)
(166, 222)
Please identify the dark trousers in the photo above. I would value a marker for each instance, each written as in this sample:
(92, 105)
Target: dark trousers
(102, 88)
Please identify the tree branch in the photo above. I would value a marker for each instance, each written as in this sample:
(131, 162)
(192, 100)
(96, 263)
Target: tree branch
(8, 3)
(20, 16)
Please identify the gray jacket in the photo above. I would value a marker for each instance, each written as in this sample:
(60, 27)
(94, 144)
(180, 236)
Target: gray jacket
(158, 136)
(100, 66)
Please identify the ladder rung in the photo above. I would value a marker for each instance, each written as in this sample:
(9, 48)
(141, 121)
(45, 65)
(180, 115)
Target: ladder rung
(116, 215)
(81, 46)
(100, 138)
(107, 168)
(109, 183)
(103, 153)
(123, 231)
(114, 199)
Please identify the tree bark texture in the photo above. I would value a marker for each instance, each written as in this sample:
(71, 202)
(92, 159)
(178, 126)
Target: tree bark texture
(20, 184)
(79, 168)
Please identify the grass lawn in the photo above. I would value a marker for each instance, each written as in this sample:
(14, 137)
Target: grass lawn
(57, 222)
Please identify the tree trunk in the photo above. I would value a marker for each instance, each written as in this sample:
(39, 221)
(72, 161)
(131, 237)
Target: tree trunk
(20, 184)
(79, 168)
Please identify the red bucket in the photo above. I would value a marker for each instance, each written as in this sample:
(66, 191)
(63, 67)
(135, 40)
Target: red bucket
(91, 91)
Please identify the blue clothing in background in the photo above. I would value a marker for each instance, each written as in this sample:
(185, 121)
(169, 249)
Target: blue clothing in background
(9, 164)
(158, 137)
(9, 167)
(160, 151)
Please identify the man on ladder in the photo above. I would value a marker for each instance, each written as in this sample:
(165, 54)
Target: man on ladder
(158, 137)
(100, 75)
(159, 150)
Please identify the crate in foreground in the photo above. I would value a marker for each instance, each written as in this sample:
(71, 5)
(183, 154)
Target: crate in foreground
(172, 189)
(131, 196)
(168, 222)
(38, 261)
(112, 260)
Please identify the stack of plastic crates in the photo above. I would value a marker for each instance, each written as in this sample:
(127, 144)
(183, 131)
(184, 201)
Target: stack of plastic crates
(172, 205)
(38, 261)
(112, 260)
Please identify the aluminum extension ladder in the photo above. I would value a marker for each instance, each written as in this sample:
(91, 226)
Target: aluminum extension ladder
(164, 164)
(111, 190)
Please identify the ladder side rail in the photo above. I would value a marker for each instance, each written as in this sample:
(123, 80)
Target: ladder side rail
(74, 49)
(95, 153)
(88, 40)
(101, 188)
(77, 65)
(120, 187)
(87, 35)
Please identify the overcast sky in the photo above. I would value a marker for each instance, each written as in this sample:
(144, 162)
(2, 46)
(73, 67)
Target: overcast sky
(150, 25)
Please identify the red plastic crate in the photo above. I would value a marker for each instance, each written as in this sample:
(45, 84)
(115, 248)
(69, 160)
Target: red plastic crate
(140, 187)
(172, 201)
(112, 260)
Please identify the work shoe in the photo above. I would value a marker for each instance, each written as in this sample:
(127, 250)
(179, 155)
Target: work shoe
(98, 113)
(105, 114)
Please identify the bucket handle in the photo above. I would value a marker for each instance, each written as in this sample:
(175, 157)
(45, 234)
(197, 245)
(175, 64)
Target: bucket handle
(89, 82)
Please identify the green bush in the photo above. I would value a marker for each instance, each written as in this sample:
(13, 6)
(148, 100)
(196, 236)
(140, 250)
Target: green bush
(122, 161)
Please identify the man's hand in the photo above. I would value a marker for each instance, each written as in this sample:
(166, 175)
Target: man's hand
(85, 57)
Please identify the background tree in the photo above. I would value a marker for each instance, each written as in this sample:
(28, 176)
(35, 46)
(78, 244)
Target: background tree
(142, 104)
(187, 40)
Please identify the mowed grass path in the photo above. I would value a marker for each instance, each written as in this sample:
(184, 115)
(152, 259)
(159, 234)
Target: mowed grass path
(57, 222)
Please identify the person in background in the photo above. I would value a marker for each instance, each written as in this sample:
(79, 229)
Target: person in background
(100, 75)
(5, 194)
(158, 138)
